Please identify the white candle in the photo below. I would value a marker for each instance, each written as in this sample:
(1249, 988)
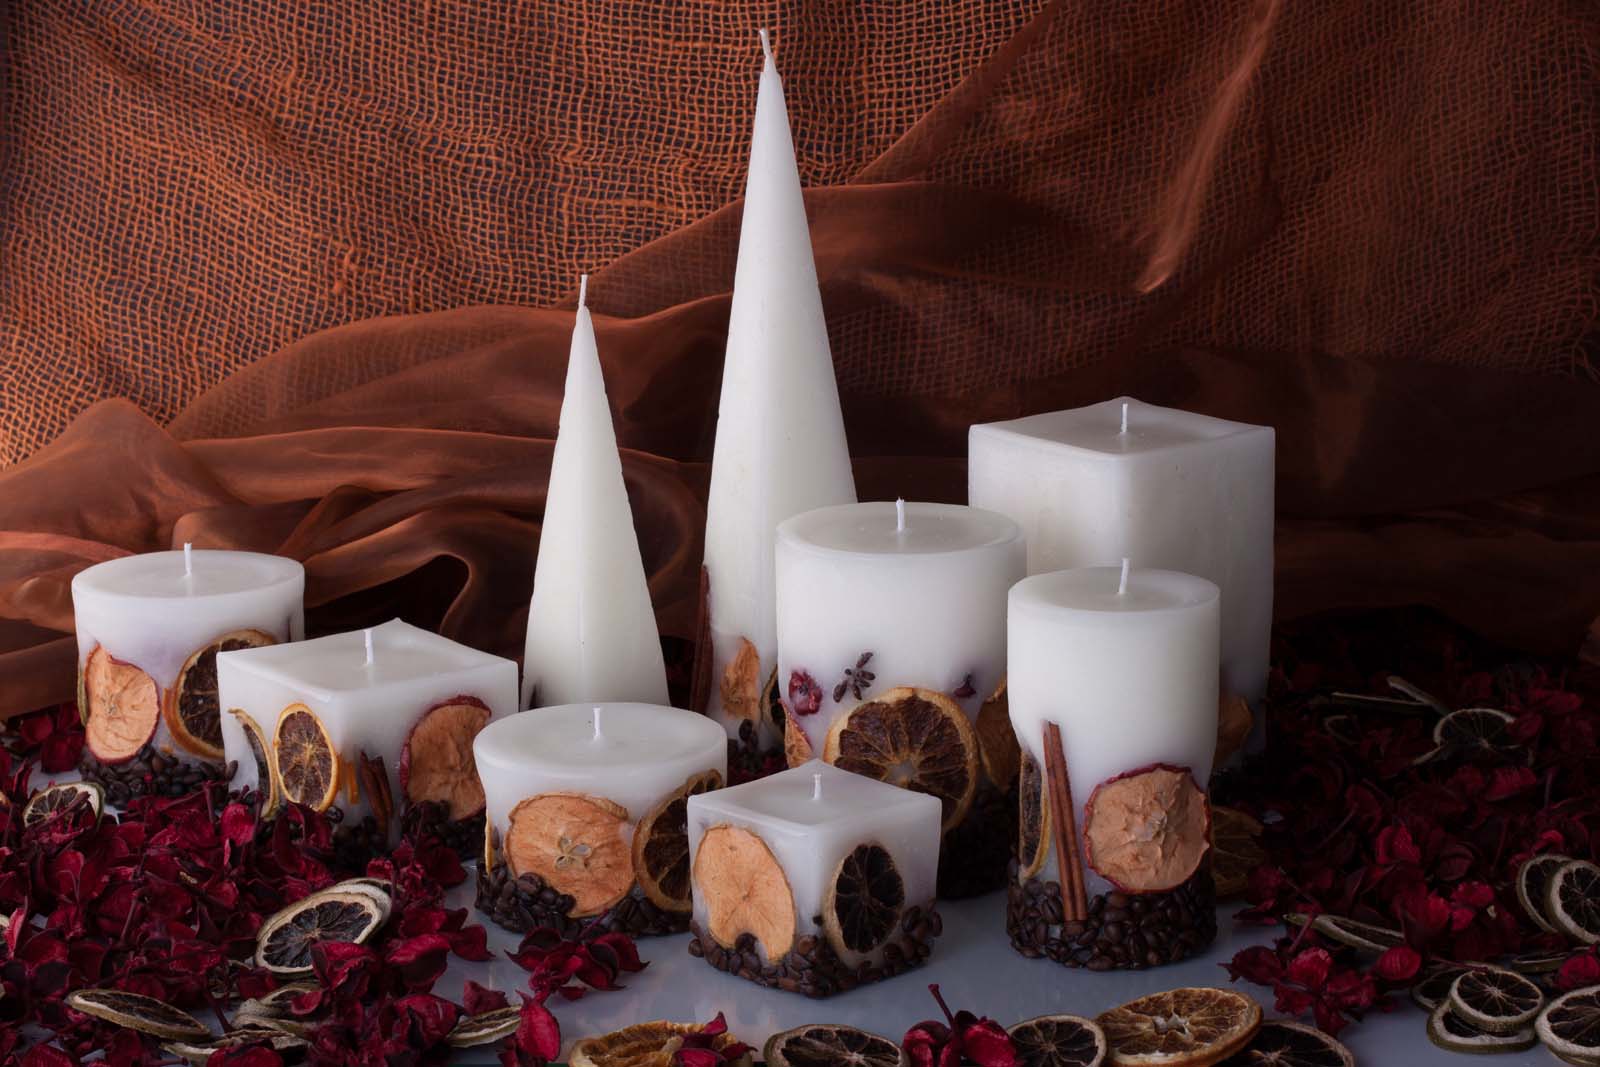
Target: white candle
(1167, 488)
(768, 858)
(780, 446)
(392, 693)
(147, 619)
(591, 630)
(567, 788)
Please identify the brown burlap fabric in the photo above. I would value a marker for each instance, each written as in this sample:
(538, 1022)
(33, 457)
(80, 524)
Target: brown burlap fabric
(1371, 225)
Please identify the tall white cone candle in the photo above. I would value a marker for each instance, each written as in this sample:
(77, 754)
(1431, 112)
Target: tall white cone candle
(780, 447)
(591, 630)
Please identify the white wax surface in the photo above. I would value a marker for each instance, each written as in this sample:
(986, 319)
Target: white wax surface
(1131, 680)
(366, 707)
(1179, 491)
(645, 753)
(811, 837)
(928, 601)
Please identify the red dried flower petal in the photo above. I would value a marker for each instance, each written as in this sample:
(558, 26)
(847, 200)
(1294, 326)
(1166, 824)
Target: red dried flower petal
(1399, 964)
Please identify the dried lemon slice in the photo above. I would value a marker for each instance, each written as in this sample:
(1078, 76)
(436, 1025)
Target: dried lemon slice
(1533, 881)
(1449, 1031)
(832, 1045)
(1358, 935)
(1033, 821)
(124, 706)
(56, 798)
(864, 901)
(190, 708)
(1570, 1026)
(266, 772)
(997, 742)
(661, 845)
(285, 941)
(915, 738)
(575, 844)
(436, 761)
(302, 751)
(485, 1028)
(1494, 1000)
(1180, 1028)
(1434, 988)
(1147, 831)
(1058, 1041)
(137, 1012)
(744, 889)
(1572, 900)
(653, 1044)
(1284, 1044)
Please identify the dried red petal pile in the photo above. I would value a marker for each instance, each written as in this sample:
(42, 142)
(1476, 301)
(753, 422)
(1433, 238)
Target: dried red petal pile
(963, 1038)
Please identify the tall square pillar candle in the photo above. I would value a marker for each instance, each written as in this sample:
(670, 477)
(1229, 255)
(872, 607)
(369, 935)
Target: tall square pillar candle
(892, 658)
(587, 809)
(371, 725)
(814, 880)
(149, 630)
(1163, 487)
(1113, 697)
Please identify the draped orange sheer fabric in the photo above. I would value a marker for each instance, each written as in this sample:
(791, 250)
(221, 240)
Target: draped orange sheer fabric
(1371, 226)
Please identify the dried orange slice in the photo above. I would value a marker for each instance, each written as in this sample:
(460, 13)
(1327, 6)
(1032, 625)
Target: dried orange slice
(1284, 1044)
(1148, 830)
(1234, 720)
(302, 751)
(997, 742)
(648, 1045)
(436, 762)
(745, 890)
(1180, 1028)
(1033, 819)
(863, 902)
(661, 845)
(1235, 850)
(266, 774)
(124, 706)
(831, 1045)
(1058, 1041)
(575, 844)
(915, 738)
(741, 683)
(190, 707)
(796, 745)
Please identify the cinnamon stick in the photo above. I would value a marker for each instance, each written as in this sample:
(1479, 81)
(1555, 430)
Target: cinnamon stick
(700, 677)
(1064, 824)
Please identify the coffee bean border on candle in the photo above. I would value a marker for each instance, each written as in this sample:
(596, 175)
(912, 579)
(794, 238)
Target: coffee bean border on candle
(812, 968)
(431, 818)
(525, 903)
(151, 774)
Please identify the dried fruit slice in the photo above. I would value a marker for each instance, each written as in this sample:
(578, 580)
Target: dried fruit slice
(1234, 722)
(1482, 730)
(199, 1053)
(741, 683)
(485, 1028)
(190, 707)
(1180, 1028)
(124, 706)
(284, 942)
(1033, 819)
(1495, 1000)
(661, 845)
(271, 1011)
(1572, 901)
(648, 1045)
(436, 762)
(744, 889)
(997, 741)
(1533, 881)
(915, 738)
(308, 768)
(1147, 831)
(863, 904)
(1358, 935)
(378, 890)
(831, 1045)
(374, 780)
(144, 1014)
(58, 798)
(575, 844)
(1570, 1026)
(1434, 989)
(1235, 850)
(796, 745)
(1058, 1041)
(1537, 962)
(1449, 1031)
(266, 774)
(1284, 1044)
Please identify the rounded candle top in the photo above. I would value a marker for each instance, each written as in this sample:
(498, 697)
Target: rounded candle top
(205, 572)
(565, 739)
(1111, 590)
(897, 528)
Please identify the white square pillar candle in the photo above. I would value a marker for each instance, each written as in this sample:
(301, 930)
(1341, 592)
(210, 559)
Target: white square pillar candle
(587, 809)
(373, 725)
(814, 880)
(149, 630)
(892, 656)
(1113, 676)
(1163, 487)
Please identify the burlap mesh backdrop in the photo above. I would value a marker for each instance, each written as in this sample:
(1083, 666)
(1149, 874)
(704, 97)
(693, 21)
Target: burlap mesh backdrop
(1371, 224)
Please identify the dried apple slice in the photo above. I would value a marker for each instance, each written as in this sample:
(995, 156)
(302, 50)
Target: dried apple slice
(997, 742)
(308, 768)
(190, 707)
(436, 762)
(864, 901)
(1033, 819)
(661, 845)
(741, 683)
(574, 843)
(266, 773)
(745, 890)
(124, 706)
(1147, 831)
(915, 738)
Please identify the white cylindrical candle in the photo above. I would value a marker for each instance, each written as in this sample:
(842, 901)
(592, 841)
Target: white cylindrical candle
(568, 788)
(145, 620)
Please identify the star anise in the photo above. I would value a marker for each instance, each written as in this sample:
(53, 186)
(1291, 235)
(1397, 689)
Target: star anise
(857, 680)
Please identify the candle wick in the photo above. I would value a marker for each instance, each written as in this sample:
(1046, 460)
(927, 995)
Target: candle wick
(188, 559)
(367, 634)
(598, 736)
(583, 290)
(1124, 417)
(899, 516)
(766, 43)
(1122, 583)
(816, 786)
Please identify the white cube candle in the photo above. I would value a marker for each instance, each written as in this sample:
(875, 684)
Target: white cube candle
(816, 866)
(144, 621)
(1167, 488)
(588, 801)
(883, 602)
(394, 693)
(1123, 662)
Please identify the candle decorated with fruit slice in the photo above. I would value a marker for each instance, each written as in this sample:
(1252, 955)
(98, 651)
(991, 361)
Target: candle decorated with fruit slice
(149, 629)
(1112, 691)
(892, 652)
(587, 809)
(376, 725)
(780, 445)
(591, 631)
(814, 879)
